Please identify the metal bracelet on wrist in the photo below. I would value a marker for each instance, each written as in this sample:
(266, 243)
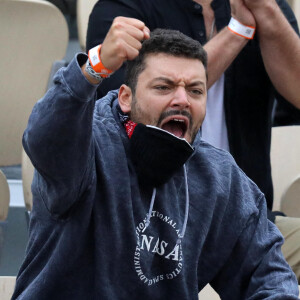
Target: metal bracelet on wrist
(92, 72)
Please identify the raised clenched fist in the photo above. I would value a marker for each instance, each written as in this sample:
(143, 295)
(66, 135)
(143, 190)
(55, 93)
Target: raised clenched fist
(123, 42)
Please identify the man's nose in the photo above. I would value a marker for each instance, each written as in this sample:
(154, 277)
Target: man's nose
(180, 98)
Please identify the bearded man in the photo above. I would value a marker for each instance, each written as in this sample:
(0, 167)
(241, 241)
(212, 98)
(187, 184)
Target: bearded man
(128, 202)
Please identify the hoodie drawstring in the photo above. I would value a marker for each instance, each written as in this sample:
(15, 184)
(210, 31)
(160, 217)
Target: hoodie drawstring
(186, 213)
(187, 204)
(150, 209)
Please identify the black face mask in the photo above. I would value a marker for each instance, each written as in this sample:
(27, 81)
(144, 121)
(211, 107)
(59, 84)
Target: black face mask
(157, 154)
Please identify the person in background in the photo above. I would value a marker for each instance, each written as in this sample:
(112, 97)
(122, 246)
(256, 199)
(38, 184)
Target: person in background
(128, 202)
(247, 70)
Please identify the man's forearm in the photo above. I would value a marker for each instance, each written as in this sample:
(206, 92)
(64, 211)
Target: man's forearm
(280, 48)
(221, 51)
(226, 45)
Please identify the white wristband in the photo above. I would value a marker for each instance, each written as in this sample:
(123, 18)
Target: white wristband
(242, 30)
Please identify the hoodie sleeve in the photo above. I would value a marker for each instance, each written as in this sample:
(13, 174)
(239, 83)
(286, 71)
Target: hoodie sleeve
(58, 138)
(256, 268)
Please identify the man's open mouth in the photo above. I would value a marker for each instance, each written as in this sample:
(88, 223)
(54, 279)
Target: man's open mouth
(176, 125)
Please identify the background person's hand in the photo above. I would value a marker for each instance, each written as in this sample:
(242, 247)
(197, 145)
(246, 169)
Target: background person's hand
(123, 42)
(242, 13)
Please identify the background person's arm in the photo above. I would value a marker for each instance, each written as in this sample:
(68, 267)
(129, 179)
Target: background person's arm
(222, 49)
(280, 47)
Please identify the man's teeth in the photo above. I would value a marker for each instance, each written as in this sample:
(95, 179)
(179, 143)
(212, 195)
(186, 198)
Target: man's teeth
(177, 120)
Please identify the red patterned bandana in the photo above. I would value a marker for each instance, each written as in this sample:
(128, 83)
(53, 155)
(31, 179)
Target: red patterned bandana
(129, 126)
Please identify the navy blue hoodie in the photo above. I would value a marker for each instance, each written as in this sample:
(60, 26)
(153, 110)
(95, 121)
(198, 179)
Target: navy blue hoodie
(87, 229)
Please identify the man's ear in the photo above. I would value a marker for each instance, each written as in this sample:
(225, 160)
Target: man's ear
(125, 98)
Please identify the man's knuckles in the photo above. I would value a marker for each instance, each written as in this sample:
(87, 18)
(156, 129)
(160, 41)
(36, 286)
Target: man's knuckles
(122, 42)
(135, 27)
(126, 34)
(132, 53)
(117, 25)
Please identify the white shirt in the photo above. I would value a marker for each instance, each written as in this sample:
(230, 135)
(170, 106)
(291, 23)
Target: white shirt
(214, 129)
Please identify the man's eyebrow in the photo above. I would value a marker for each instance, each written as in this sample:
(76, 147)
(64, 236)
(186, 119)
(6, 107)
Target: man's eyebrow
(172, 82)
(165, 79)
(196, 83)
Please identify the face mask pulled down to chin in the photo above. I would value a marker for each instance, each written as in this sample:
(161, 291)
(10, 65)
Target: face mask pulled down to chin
(157, 154)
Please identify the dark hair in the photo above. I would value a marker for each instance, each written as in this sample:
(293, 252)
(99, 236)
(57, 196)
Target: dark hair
(166, 41)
